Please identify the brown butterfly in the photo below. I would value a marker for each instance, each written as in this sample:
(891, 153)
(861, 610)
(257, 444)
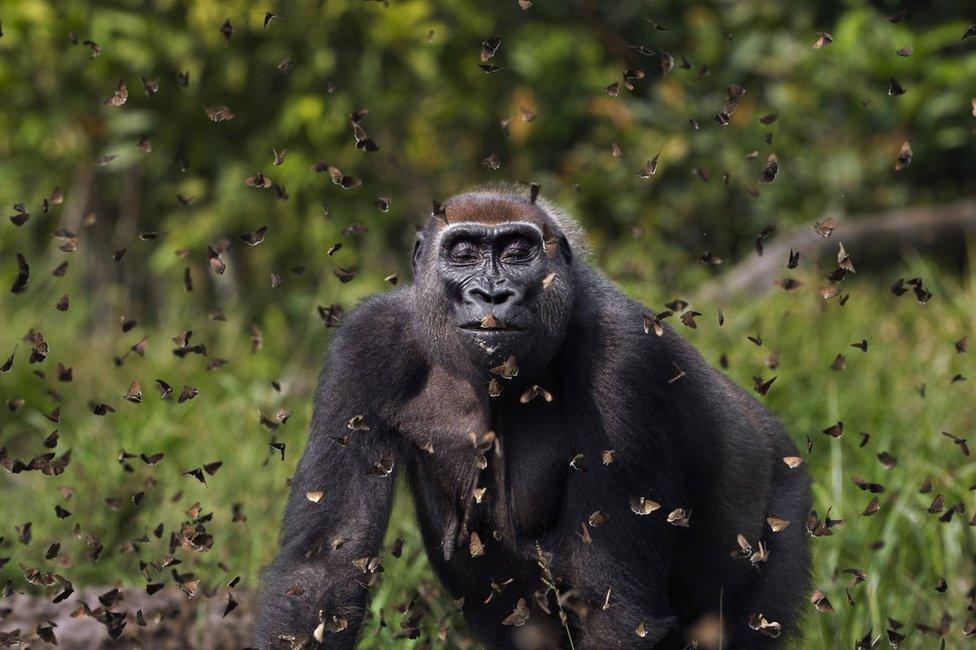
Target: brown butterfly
(120, 96)
(219, 113)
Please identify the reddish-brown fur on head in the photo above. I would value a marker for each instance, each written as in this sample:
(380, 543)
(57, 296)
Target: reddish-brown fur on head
(493, 208)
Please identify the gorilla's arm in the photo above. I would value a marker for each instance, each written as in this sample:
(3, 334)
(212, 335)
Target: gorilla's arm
(626, 376)
(339, 506)
(637, 598)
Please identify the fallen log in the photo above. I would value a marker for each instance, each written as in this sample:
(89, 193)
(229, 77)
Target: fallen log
(873, 240)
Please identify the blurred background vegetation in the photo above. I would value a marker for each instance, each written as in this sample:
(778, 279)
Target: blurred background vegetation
(547, 115)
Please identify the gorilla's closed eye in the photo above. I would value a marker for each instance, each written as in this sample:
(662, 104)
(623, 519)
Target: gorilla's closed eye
(464, 252)
(518, 251)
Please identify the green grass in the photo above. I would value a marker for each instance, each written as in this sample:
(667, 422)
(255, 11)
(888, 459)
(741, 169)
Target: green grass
(903, 549)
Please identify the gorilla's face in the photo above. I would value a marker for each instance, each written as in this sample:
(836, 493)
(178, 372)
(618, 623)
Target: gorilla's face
(495, 291)
(491, 274)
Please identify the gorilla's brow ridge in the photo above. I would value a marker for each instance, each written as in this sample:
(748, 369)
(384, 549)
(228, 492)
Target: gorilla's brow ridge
(457, 224)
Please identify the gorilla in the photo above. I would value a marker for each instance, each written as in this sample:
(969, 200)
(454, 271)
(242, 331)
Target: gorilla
(582, 477)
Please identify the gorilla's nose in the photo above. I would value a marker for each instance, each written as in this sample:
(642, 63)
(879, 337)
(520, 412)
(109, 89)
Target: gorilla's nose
(489, 293)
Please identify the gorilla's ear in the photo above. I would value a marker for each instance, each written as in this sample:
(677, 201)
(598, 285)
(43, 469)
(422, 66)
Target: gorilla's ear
(565, 248)
(553, 238)
(417, 247)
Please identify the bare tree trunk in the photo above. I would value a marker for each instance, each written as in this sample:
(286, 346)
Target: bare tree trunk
(76, 198)
(77, 202)
(135, 285)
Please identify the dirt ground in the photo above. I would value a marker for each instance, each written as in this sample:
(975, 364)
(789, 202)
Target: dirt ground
(169, 620)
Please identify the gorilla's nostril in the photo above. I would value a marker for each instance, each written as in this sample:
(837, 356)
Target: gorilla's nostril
(476, 294)
(500, 296)
(490, 296)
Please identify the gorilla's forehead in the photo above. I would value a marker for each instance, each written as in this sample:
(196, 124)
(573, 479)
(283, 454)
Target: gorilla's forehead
(490, 208)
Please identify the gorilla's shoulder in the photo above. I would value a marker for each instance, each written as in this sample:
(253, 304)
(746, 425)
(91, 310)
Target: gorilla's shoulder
(374, 337)
(380, 311)
(606, 315)
(612, 326)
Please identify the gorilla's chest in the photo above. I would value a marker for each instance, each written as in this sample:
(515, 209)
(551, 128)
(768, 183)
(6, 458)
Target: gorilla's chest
(509, 484)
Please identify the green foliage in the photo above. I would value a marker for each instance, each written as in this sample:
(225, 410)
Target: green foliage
(435, 117)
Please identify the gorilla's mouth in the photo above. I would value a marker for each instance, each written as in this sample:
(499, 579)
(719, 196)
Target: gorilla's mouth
(489, 325)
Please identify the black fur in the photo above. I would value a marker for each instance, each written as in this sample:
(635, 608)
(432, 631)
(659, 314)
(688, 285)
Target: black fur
(697, 442)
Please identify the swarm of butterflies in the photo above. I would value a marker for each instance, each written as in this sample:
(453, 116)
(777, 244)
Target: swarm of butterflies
(59, 618)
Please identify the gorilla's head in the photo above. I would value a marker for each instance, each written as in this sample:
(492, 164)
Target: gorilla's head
(493, 277)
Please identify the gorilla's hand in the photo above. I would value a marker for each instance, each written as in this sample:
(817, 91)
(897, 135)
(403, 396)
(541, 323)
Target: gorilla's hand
(623, 602)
